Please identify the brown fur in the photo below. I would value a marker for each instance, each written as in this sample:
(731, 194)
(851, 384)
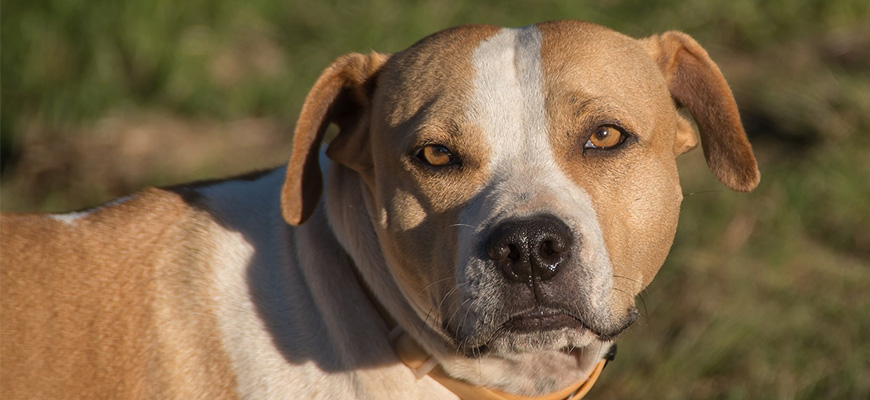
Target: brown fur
(630, 93)
(77, 322)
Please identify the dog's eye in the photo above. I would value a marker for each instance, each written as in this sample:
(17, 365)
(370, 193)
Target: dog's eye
(605, 137)
(436, 155)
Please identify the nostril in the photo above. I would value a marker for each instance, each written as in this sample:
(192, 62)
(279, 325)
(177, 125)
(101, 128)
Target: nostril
(547, 250)
(499, 252)
(515, 254)
(552, 250)
(505, 251)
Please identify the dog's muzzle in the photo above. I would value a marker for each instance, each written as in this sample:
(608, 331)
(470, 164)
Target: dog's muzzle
(533, 287)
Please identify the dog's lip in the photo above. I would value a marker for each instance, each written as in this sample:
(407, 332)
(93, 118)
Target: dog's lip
(540, 319)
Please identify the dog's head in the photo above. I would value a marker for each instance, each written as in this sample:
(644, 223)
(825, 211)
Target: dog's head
(522, 183)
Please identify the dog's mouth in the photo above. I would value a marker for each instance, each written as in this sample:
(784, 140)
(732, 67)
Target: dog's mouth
(534, 329)
(542, 320)
(540, 329)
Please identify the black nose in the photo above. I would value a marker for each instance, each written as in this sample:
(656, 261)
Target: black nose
(530, 248)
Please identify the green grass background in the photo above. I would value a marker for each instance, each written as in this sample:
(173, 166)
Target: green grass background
(764, 296)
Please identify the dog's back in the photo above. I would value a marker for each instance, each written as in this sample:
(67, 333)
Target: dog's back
(85, 297)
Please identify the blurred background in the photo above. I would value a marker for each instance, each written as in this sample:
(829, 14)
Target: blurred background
(765, 295)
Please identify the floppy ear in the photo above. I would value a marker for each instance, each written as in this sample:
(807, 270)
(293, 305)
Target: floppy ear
(342, 95)
(696, 83)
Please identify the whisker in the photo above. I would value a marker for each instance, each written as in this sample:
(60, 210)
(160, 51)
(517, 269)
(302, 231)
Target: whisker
(643, 302)
(462, 225)
(425, 322)
(627, 278)
(465, 317)
(363, 212)
(440, 303)
(449, 319)
(639, 295)
(702, 192)
(433, 284)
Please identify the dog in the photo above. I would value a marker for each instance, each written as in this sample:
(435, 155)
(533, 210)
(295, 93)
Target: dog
(495, 198)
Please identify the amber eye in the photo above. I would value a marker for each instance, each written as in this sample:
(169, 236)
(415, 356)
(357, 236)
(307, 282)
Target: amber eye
(436, 155)
(605, 137)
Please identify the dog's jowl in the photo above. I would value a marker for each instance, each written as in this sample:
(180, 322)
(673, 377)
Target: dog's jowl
(480, 226)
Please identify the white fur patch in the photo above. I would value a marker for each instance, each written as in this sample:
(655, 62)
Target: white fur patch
(277, 296)
(250, 236)
(508, 104)
(71, 218)
(508, 99)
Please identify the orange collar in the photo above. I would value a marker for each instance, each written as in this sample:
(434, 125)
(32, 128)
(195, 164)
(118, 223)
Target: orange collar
(422, 364)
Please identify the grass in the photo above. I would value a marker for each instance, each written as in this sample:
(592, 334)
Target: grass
(765, 295)
(757, 299)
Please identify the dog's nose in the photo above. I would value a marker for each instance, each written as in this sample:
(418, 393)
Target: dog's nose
(530, 248)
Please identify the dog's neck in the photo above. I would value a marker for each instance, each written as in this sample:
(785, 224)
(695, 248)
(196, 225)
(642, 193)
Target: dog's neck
(347, 201)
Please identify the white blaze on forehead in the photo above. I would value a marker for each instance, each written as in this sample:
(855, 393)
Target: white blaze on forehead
(507, 103)
(508, 99)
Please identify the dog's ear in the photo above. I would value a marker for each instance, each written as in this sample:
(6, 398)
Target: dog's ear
(341, 95)
(696, 83)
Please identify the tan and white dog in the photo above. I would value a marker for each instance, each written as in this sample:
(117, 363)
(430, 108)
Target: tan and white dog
(500, 195)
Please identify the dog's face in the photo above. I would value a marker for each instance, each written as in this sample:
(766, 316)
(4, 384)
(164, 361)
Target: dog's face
(527, 187)
(523, 183)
